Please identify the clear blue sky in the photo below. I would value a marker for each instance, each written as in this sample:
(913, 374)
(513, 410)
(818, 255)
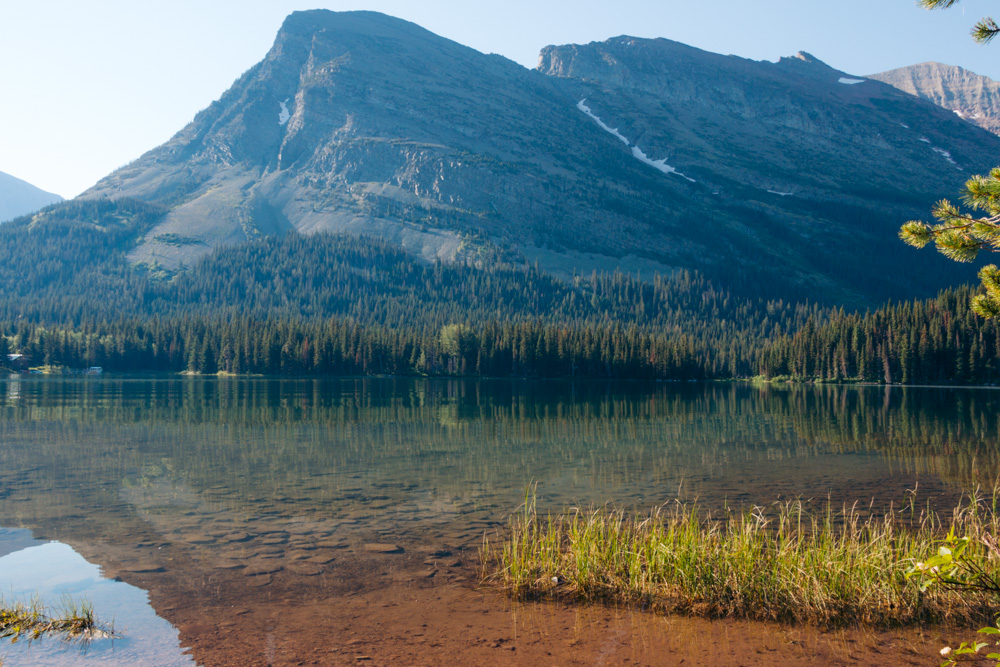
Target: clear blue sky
(90, 85)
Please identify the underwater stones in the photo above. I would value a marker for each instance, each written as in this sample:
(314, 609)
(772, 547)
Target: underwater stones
(321, 559)
(229, 565)
(238, 536)
(331, 544)
(142, 568)
(261, 569)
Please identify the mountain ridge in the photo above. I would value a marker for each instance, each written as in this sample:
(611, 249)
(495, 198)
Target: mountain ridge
(18, 197)
(972, 97)
(361, 123)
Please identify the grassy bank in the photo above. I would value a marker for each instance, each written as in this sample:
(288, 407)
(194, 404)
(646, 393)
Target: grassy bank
(30, 621)
(785, 562)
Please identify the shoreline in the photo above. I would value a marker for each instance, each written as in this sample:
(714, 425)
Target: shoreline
(165, 375)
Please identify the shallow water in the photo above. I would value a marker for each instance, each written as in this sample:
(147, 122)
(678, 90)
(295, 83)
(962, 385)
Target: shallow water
(236, 503)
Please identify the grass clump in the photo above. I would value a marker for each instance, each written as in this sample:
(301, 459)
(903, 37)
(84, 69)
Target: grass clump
(784, 562)
(71, 621)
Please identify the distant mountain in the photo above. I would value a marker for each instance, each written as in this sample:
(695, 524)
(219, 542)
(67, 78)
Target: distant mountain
(19, 197)
(783, 179)
(971, 96)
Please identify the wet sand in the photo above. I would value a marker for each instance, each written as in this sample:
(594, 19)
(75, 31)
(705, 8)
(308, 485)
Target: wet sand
(445, 622)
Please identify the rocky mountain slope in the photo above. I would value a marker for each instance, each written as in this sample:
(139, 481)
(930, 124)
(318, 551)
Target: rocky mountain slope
(787, 179)
(19, 197)
(971, 96)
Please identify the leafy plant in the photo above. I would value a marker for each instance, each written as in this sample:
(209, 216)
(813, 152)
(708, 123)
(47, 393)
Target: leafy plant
(954, 567)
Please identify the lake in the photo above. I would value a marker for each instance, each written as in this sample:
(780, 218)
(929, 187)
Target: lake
(281, 521)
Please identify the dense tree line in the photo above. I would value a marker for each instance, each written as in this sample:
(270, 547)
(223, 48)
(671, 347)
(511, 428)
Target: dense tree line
(921, 342)
(934, 341)
(334, 305)
(341, 347)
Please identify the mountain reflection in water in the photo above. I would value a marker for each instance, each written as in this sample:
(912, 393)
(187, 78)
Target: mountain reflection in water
(230, 499)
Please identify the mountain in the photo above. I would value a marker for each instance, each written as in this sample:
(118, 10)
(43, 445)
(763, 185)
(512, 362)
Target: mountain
(19, 197)
(971, 96)
(818, 166)
(781, 179)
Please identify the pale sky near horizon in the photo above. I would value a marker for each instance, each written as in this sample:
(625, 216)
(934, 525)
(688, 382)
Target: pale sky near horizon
(89, 86)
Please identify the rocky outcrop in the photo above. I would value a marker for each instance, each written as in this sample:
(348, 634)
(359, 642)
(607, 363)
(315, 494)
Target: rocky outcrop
(970, 96)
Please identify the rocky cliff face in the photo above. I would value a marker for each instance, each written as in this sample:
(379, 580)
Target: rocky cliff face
(366, 123)
(818, 165)
(970, 96)
(645, 155)
(19, 197)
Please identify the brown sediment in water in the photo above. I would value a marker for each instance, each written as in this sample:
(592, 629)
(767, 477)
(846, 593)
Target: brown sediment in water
(277, 581)
(393, 613)
(319, 597)
(287, 590)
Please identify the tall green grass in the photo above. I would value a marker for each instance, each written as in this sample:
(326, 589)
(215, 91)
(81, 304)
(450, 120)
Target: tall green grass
(784, 562)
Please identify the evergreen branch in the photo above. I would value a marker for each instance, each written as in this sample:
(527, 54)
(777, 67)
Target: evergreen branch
(957, 246)
(984, 31)
(936, 4)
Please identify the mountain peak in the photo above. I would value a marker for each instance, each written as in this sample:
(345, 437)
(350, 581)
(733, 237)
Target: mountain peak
(361, 22)
(363, 123)
(806, 62)
(972, 97)
(807, 57)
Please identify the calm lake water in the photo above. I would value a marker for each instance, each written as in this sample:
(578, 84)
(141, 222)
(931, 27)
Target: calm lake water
(169, 503)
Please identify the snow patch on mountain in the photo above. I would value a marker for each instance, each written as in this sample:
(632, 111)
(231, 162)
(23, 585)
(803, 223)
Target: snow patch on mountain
(284, 115)
(582, 106)
(637, 152)
(850, 82)
(945, 154)
(662, 165)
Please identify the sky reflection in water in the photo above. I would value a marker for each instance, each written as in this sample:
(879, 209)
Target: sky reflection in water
(51, 571)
